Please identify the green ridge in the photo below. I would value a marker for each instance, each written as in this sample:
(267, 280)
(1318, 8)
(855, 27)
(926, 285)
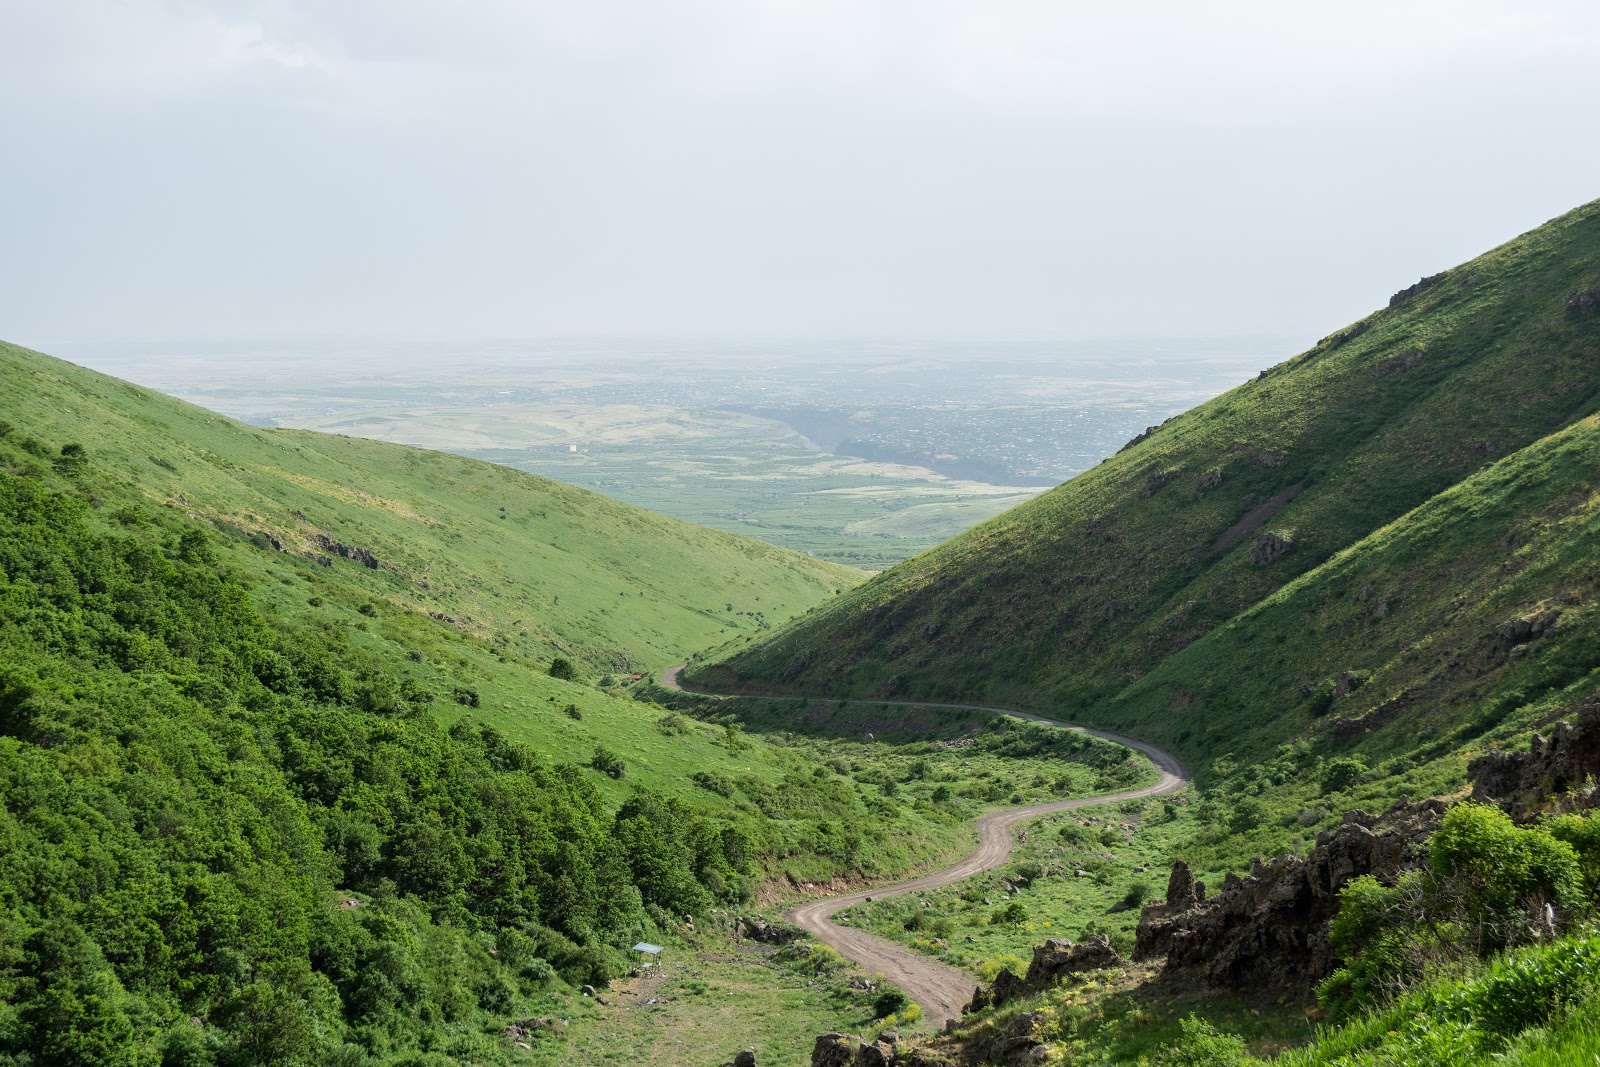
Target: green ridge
(1142, 593)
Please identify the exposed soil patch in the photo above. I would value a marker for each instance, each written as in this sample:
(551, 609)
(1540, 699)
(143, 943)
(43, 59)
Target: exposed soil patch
(1254, 518)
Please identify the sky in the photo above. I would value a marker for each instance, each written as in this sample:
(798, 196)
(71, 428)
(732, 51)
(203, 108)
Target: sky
(990, 169)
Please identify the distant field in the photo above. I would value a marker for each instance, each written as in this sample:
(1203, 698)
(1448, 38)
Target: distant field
(722, 469)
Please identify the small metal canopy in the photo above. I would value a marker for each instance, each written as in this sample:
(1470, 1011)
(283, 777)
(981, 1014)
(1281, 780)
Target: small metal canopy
(645, 946)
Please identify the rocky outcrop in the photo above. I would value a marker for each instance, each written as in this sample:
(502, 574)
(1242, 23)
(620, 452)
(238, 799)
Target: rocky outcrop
(344, 551)
(1521, 631)
(1210, 479)
(1269, 548)
(1585, 304)
(1555, 772)
(1268, 931)
(1334, 340)
(1412, 290)
(1053, 961)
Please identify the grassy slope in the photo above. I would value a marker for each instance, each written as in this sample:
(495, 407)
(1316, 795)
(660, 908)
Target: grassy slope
(1064, 602)
(530, 562)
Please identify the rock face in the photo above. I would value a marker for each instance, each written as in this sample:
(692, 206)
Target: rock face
(1269, 548)
(1586, 304)
(1558, 767)
(1269, 930)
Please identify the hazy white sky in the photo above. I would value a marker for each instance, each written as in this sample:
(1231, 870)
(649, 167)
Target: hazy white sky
(990, 169)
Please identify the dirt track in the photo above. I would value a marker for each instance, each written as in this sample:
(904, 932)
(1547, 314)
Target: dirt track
(940, 989)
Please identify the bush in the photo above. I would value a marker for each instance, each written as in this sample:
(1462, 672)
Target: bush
(888, 1002)
(1203, 1045)
(561, 667)
(572, 711)
(1342, 773)
(467, 697)
(1137, 894)
(1496, 872)
(1012, 914)
(715, 783)
(608, 762)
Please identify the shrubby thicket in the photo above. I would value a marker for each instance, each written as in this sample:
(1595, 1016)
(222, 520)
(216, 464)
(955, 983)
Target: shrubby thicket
(223, 840)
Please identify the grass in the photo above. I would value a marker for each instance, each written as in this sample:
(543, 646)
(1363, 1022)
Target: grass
(712, 1000)
(536, 566)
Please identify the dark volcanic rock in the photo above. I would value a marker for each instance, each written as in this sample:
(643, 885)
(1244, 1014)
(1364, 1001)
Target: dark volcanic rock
(1269, 930)
(832, 1050)
(1158, 479)
(349, 552)
(1269, 548)
(1412, 290)
(1057, 958)
(1334, 340)
(1552, 773)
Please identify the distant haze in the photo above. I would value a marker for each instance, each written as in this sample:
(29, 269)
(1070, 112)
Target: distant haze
(180, 171)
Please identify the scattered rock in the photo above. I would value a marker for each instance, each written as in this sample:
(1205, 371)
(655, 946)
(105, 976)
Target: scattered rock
(1412, 290)
(1269, 548)
(1210, 479)
(587, 990)
(1558, 766)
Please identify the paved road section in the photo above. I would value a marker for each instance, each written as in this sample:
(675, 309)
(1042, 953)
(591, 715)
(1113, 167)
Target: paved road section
(941, 989)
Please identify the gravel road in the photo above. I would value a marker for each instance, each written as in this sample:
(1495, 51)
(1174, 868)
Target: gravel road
(939, 988)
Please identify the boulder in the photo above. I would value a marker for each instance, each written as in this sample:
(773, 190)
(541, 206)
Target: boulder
(1269, 548)
(833, 1050)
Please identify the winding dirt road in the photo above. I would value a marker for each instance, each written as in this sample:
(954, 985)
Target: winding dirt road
(941, 989)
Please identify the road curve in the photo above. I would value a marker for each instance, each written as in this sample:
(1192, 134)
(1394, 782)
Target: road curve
(943, 990)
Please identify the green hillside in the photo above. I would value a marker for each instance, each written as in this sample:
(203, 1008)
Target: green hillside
(533, 564)
(1190, 586)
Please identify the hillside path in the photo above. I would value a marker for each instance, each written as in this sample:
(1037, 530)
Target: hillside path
(943, 990)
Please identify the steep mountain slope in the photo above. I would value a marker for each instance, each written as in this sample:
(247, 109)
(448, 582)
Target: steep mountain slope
(1066, 601)
(533, 564)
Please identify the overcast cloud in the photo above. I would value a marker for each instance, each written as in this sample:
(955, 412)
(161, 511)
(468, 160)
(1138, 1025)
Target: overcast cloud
(679, 168)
